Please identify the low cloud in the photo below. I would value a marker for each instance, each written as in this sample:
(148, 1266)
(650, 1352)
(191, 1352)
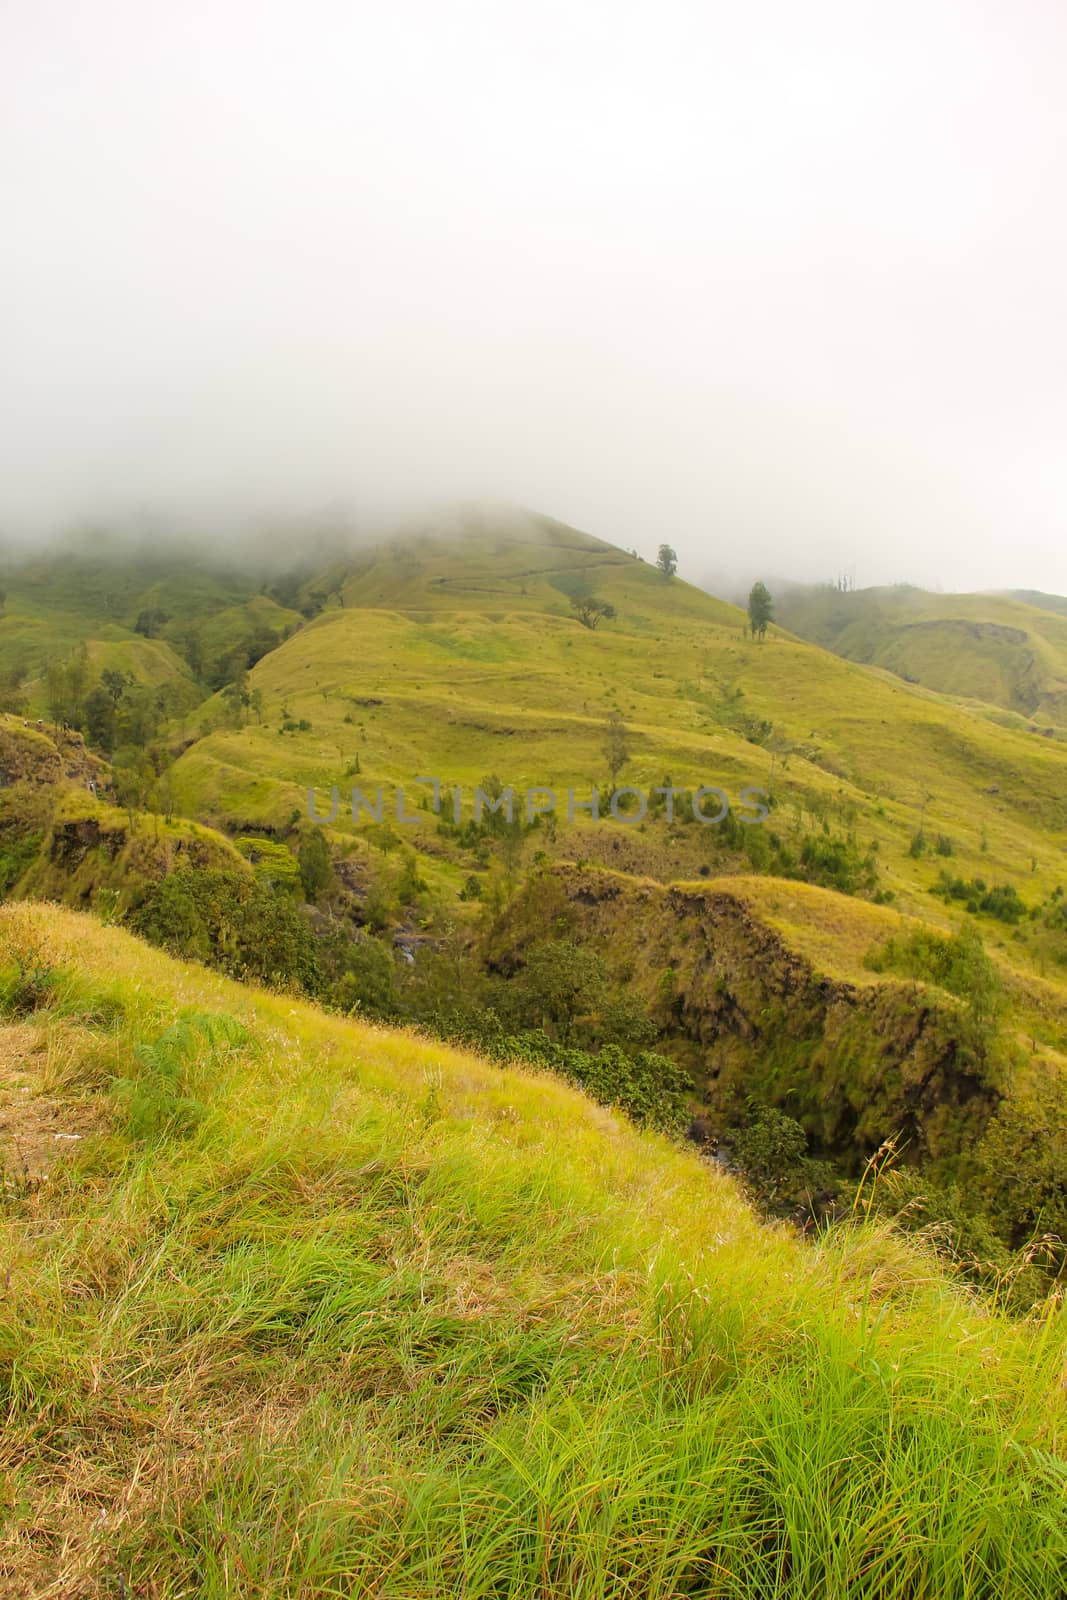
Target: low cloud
(782, 286)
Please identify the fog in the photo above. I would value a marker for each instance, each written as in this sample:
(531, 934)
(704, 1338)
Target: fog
(780, 284)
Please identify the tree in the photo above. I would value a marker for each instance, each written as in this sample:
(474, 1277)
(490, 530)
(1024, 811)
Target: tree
(409, 884)
(133, 779)
(56, 691)
(237, 696)
(150, 621)
(667, 560)
(115, 683)
(590, 610)
(368, 982)
(760, 609)
(770, 1151)
(77, 678)
(316, 868)
(191, 645)
(100, 718)
(616, 750)
(562, 982)
(13, 696)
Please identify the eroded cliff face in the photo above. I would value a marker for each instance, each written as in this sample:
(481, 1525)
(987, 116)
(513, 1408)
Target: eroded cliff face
(855, 1063)
(36, 753)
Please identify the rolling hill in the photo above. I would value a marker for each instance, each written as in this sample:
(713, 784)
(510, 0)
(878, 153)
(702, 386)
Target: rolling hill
(461, 655)
(1007, 650)
(134, 610)
(299, 1303)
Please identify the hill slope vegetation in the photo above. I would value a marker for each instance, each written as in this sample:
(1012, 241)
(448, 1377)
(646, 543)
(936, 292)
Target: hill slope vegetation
(296, 1306)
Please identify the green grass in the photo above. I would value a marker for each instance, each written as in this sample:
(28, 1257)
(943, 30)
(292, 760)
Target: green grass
(460, 657)
(1007, 650)
(322, 1310)
(54, 603)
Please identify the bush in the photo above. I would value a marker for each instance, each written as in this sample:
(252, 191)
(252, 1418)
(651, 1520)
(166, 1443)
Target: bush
(835, 863)
(246, 928)
(367, 982)
(770, 1150)
(314, 864)
(270, 860)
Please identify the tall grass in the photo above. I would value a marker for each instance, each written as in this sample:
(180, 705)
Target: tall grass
(334, 1335)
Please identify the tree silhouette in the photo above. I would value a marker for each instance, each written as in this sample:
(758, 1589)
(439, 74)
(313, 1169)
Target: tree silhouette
(590, 610)
(760, 610)
(667, 560)
(616, 750)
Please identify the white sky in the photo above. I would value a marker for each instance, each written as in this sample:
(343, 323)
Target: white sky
(781, 283)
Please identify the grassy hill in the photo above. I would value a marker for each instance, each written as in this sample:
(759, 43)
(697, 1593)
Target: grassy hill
(461, 656)
(1007, 650)
(133, 610)
(298, 1306)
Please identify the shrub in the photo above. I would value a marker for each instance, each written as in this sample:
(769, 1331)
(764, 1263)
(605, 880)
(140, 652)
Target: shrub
(246, 928)
(314, 864)
(367, 982)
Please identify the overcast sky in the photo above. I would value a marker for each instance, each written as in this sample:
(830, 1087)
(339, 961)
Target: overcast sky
(780, 283)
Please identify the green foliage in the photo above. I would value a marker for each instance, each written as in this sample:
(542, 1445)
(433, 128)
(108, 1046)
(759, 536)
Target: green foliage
(955, 1227)
(316, 866)
(366, 981)
(770, 1150)
(616, 747)
(100, 719)
(28, 980)
(591, 611)
(271, 860)
(1002, 901)
(150, 621)
(760, 609)
(667, 560)
(157, 1097)
(1021, 1180)
(560, 984)
(649, 1087)
(248, 929)
(410, 884)
(133, 779)
(835, 863)
(66, 681)
(960, 964)
(16, 855)
(623, 1020)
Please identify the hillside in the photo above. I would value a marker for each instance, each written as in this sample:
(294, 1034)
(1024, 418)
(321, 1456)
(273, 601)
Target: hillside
(297, 1306)
(153, 614)
(1007, 650)
(911, 838)
(460, 656)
